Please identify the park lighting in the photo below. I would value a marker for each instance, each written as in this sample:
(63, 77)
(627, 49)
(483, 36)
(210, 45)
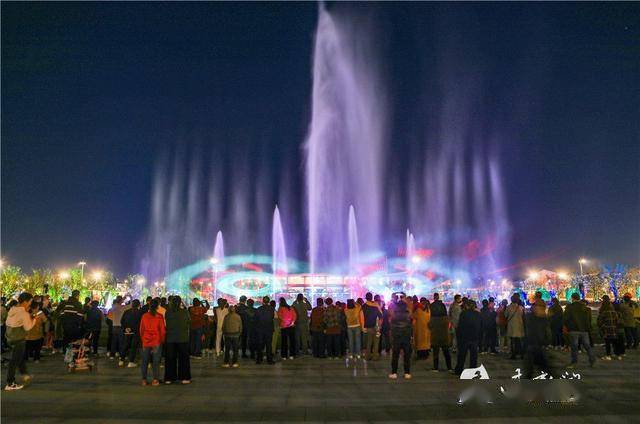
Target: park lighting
(458, 282)
(563, 275)
(533, 275)
(582, 261)
(140, 280)
(97, 275)
(64, 275)
(416, 259)
(214, 261)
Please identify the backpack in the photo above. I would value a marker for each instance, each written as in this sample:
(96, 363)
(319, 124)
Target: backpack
(16, 334)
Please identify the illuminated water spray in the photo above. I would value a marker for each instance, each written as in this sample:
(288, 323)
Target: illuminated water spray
(278, 250)
(354, 246)
(345, 141)
(410, 251)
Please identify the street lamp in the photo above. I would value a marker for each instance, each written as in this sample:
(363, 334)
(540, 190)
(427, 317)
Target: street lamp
(582, 261)
(81, 264)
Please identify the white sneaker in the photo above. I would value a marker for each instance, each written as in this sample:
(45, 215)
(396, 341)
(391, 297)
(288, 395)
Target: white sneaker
(26, 378)
(121, 363)
(235, 365)
(358, 357)
(284, 359)
(606, 358)
(131, 365)
(13, 386)
(407, 376)
(291, 358)
(350, 356)
(393, 376)
(225, 365)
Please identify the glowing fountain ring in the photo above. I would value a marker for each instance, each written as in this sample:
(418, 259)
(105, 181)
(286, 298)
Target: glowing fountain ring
(228, 284)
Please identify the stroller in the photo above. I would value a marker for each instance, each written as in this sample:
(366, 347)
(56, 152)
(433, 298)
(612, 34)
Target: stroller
(78, 357)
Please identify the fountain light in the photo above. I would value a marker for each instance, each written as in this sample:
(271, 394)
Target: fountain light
(140, 280)
(97, 275)
(458, 282)
(214, 260)
(533, 275)
(563, 275)
(416, 259)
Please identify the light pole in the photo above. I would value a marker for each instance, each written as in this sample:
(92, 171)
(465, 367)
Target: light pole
(582, 261)
(82, 264)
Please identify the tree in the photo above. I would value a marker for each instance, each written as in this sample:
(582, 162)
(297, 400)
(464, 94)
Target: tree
(36, 281)
(11, 279)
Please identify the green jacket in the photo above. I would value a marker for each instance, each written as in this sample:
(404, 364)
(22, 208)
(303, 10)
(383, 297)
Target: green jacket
(577, 317)
(178, 323)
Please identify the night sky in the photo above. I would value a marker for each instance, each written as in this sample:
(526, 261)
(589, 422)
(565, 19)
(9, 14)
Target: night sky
(92, 93)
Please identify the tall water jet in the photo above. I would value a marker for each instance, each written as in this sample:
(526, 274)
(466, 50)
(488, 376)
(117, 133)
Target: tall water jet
(218, 251)
(278, 250)
(410, 251)
(354, 246)
(346, 138)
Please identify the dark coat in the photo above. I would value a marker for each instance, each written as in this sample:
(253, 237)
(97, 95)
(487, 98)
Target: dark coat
(536, 330)
(401, 329)
(469, 326)
(439, 326)
(263, 319)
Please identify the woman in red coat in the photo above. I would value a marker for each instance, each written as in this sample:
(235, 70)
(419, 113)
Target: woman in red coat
(152, 334)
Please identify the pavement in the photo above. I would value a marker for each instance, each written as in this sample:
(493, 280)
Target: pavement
(322, 390)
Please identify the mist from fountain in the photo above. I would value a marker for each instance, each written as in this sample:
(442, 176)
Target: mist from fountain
(345, 141)
(354, 245)
(278, 250)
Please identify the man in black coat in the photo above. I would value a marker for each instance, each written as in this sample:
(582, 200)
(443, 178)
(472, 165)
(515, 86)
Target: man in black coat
(131, 327)
(263, 323)
(242, 310)
(489, 328)
(468, 334)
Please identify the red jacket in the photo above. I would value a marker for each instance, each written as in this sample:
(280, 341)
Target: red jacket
(152, 330)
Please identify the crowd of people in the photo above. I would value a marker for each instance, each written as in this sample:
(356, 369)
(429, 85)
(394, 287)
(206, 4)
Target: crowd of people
(169, 334)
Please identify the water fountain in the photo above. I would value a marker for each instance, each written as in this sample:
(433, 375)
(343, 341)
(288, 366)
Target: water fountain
(354, 247)
(278, 251)
(345, 141)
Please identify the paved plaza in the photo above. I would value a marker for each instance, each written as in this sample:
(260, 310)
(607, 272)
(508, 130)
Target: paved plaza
(308, 389)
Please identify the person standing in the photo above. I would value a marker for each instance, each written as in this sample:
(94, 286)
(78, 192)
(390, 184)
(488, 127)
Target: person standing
(177, 360)
(263, 324)
(355, 324)
(35, 337)
(152, 335)
(231, 329)
(19, 321)
(454, 315)
(243, 310)
(250, 328)
(302, 307)
(198, 321)
(288, 318)
(130, 324)
(372, 318)
(317, 329)
(94, 318)
(440, 337)
(421, 331)
(468, 334)
(627, 310)
(71, 316)
(117, 337)
(555, 323)
(577, 319)
(608, 325)
(220, 312)
(401, 331)
(489, 328)
(515, 325)
(4, 312)
(536, 335)
(333, 329)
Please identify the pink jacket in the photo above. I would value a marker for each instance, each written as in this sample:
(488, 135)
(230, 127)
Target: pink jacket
(287, 317)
